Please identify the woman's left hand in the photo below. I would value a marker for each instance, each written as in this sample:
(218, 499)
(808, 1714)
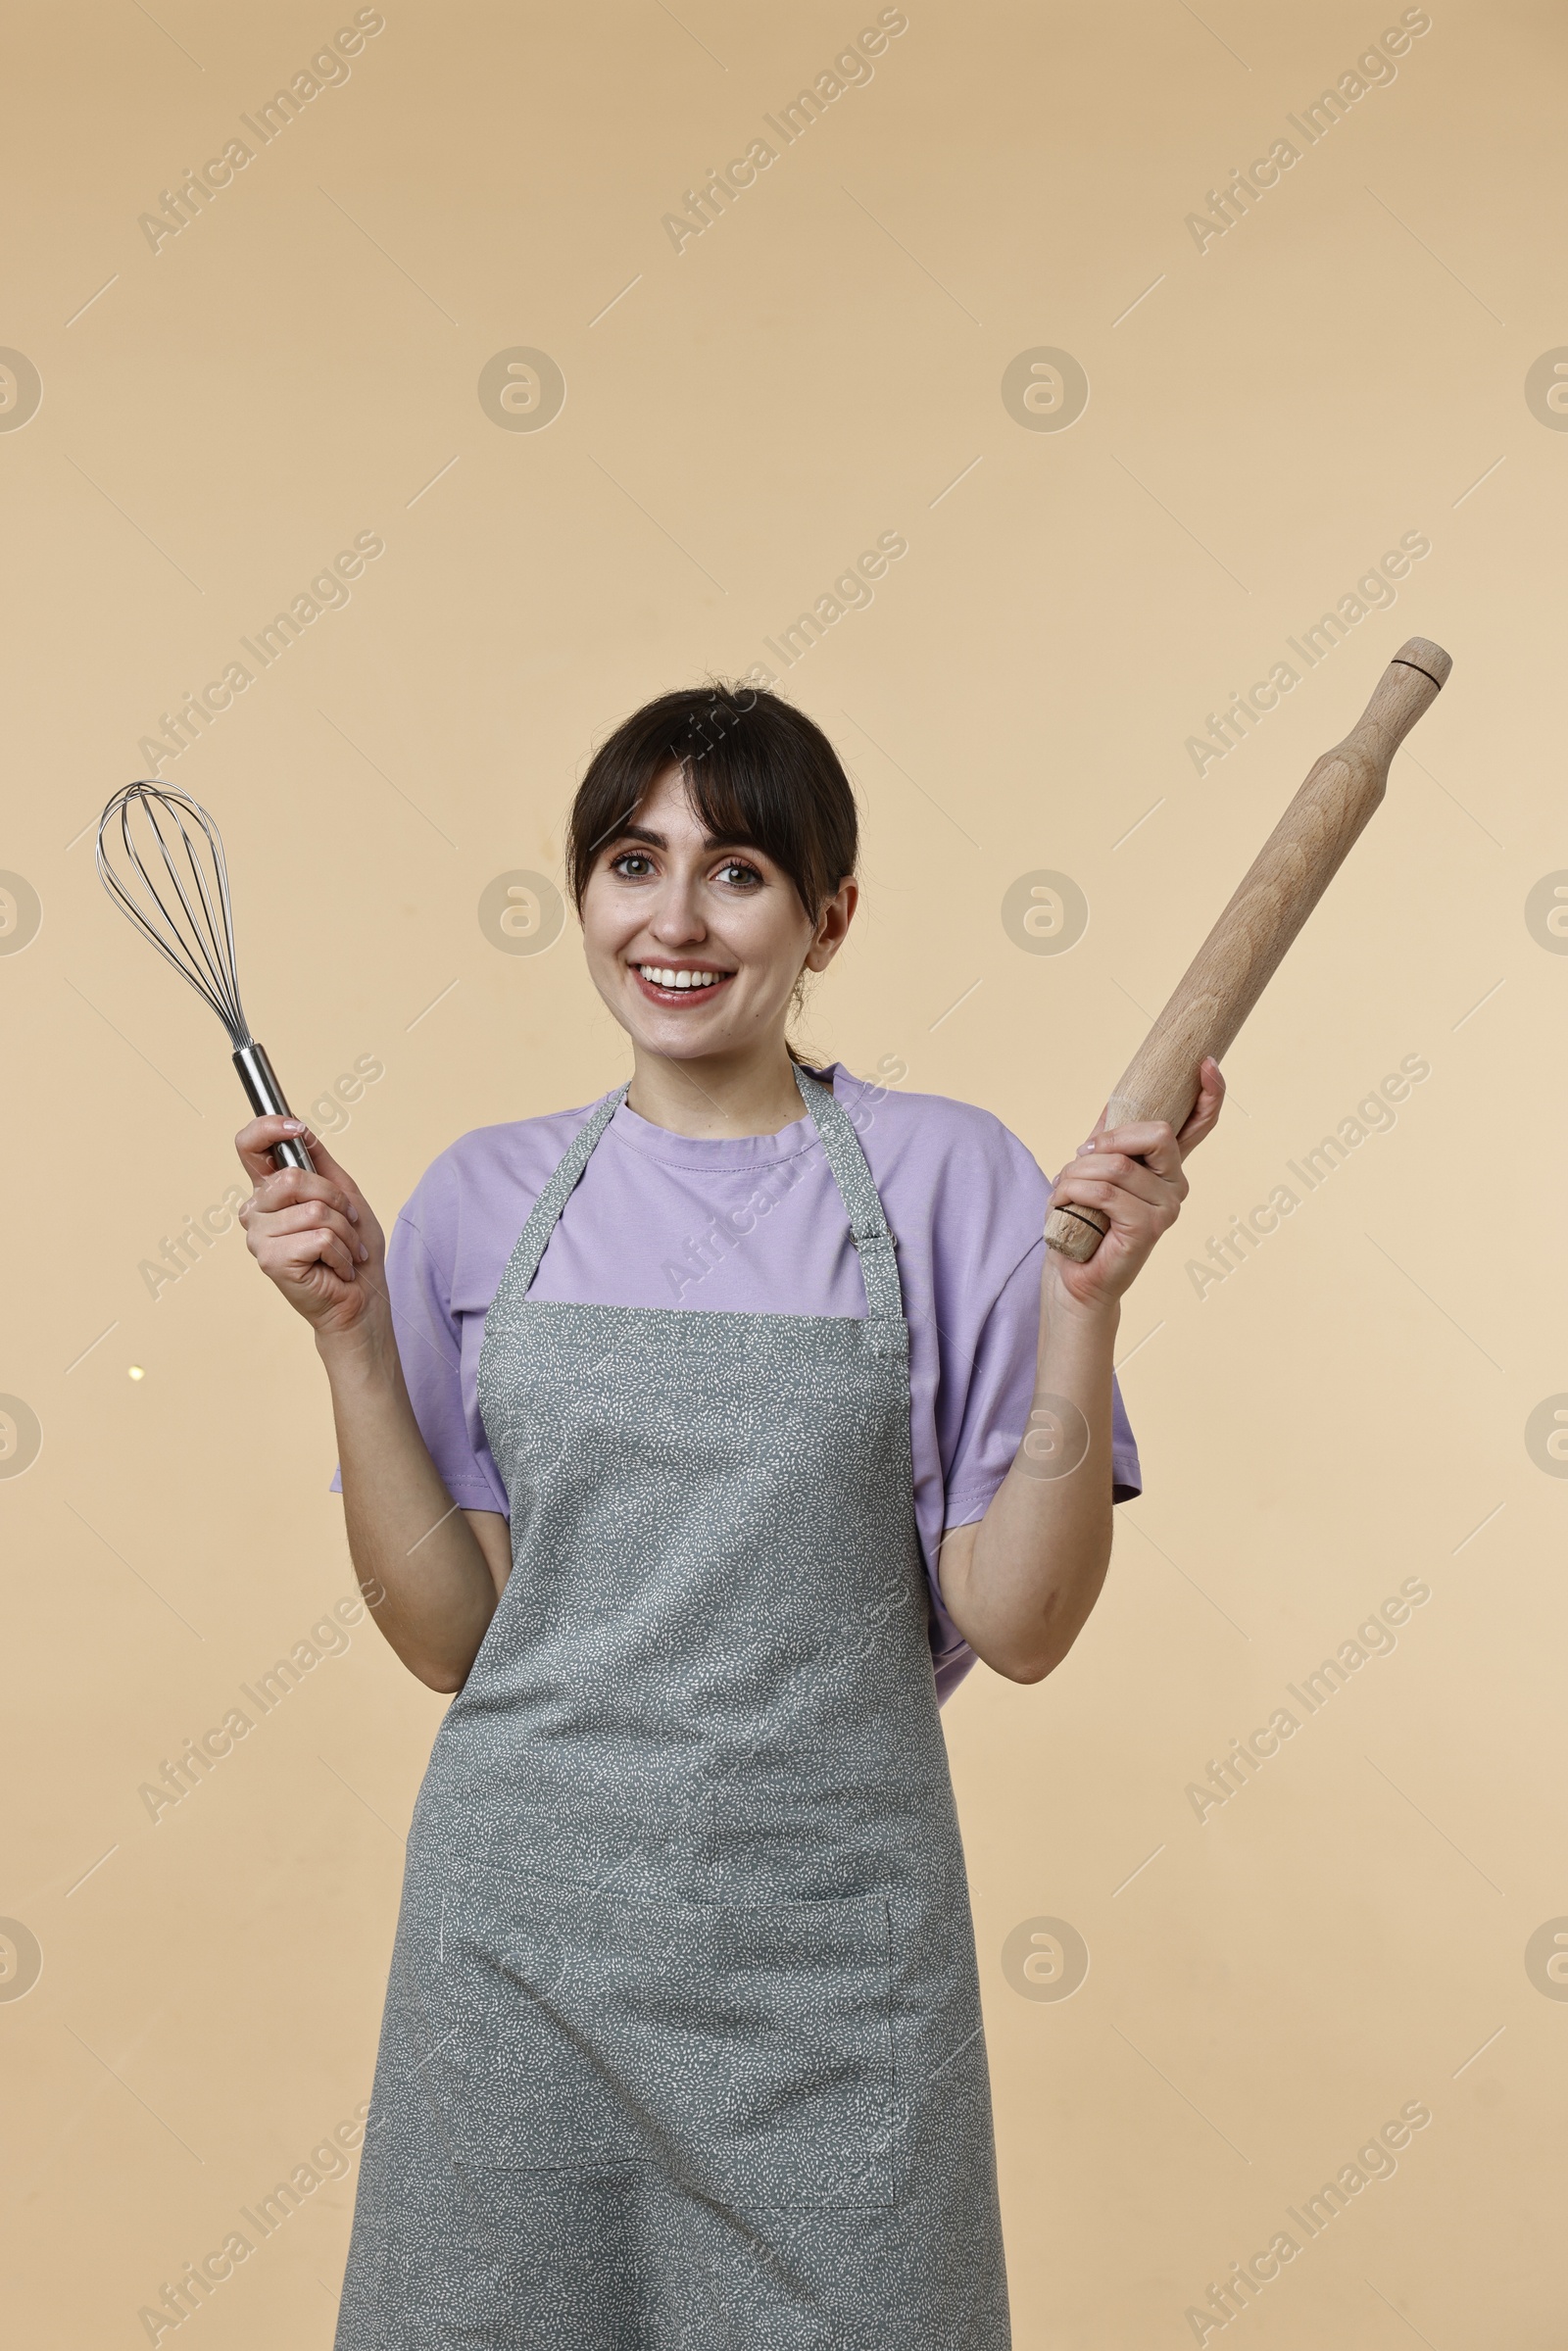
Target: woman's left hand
(1133, 1175)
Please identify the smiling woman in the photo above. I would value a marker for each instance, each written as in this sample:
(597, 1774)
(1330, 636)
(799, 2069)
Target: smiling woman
(695, 781)
(682, 2039)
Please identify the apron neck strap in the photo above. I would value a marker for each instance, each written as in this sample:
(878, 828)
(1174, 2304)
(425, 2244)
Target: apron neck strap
(546, 1216)
(862, 1203)
(841, 1145)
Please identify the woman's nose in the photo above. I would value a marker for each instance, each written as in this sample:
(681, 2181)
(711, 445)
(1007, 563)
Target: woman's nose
(677, 918)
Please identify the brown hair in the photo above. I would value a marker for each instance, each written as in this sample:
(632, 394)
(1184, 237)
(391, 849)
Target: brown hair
(760, 774)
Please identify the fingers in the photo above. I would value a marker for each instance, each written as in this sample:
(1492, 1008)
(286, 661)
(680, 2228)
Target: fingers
(255, 1140)
(325, 1164)
(1136, 1177)
(279, 1188)
(1132, 1175)
(289, 1255)
(1152, 1141)
(311, 1230)
(1130, 1209)
(292, 1242)
(1205, 1110)
(308, 1216)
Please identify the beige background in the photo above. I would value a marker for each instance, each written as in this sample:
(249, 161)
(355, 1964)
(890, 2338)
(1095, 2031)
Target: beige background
(1345, 1411)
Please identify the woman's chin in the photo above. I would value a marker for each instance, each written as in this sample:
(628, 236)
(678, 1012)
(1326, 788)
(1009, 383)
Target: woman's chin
(676, 1040)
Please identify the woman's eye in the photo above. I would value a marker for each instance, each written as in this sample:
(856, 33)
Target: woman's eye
(632, 864)
(738, 875)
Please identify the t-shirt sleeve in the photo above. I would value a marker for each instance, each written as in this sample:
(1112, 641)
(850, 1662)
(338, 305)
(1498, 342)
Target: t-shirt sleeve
(1001, 1390)
(991, 1428)
(428, 1334)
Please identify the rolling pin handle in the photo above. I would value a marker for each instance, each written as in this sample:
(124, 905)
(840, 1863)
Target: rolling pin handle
(1076, 1233)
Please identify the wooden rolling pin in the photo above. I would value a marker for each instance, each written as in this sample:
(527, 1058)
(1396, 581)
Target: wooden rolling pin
(1284, 883)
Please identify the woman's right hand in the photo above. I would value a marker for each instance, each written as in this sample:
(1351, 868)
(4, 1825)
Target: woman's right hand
(314, 1234)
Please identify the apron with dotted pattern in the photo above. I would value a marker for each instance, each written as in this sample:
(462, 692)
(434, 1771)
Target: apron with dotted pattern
(682, 2046)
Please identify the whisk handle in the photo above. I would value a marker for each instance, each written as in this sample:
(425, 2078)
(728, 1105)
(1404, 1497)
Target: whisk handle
(260, 1082)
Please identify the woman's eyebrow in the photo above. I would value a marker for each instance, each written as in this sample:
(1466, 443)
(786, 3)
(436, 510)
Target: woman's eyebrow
(711, 842)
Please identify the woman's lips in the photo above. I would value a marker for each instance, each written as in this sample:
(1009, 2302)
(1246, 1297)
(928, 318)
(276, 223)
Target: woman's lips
(686, 992)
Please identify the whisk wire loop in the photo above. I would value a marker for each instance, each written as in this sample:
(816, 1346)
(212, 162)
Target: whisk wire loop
(201, 949)
(199, 939)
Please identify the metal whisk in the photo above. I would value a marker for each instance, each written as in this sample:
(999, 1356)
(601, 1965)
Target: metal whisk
(156, 828)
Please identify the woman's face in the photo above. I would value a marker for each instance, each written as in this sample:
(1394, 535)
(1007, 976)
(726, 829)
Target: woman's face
(696, 945)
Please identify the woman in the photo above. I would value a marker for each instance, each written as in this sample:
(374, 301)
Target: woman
(694, 1482)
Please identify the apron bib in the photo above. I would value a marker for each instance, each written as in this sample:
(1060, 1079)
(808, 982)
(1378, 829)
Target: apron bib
(682, 2046)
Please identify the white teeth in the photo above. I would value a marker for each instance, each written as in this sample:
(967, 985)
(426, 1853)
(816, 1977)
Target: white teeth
(658, 977)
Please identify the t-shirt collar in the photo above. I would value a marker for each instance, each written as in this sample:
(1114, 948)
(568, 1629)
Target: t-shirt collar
(718, 1155)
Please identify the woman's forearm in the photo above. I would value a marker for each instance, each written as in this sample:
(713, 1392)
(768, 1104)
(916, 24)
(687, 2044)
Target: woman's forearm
(418, 1560)
(1020, 1585)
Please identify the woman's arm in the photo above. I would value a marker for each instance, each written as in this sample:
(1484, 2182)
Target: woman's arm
(431, 1571)
(1021, 1583)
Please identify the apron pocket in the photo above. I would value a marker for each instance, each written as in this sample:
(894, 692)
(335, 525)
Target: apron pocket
(742, 2051)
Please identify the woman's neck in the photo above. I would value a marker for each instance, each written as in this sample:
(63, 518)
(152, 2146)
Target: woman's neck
(718, 1098)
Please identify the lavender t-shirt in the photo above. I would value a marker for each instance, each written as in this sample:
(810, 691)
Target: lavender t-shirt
(754, 1224)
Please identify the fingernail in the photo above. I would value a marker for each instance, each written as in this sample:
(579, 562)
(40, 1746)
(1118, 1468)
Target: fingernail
(363, 1252)
(354, 1214)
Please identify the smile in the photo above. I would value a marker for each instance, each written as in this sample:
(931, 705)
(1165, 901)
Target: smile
(673, 983)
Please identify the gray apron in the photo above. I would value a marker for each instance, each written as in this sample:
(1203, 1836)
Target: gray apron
(682, 2046)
